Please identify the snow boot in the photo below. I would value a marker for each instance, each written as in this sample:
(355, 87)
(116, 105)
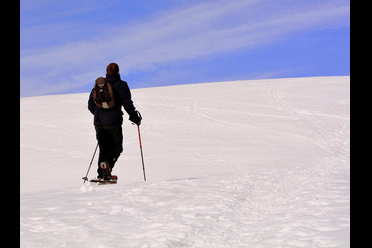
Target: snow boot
(106, 170)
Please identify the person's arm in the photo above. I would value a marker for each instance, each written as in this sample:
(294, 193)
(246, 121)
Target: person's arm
(91, 104)
(126, 98)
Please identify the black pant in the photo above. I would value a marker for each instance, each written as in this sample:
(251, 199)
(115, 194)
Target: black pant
(110, 141)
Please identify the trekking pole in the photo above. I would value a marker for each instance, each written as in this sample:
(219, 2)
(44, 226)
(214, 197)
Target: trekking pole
(143, 165)
(86, 178)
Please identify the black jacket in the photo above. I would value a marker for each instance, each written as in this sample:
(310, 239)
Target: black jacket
(122, 95)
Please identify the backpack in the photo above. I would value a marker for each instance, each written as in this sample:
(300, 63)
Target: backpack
(103, 95)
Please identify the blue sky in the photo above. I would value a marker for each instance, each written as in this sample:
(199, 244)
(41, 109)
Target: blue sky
(65, 45)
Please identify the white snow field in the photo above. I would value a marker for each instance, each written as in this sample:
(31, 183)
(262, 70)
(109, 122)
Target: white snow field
(258, 163)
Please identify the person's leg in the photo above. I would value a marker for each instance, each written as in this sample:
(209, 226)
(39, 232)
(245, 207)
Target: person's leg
(104, 142)
(116, 145)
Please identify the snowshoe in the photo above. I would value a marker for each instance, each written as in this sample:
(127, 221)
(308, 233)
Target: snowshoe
(101, 181)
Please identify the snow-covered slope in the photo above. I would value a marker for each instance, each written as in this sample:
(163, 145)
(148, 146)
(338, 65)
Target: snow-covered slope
(259, 163)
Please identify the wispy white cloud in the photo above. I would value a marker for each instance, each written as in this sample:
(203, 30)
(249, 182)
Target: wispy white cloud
(196, 31)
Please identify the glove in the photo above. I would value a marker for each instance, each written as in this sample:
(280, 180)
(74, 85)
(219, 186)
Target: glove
(136, 118)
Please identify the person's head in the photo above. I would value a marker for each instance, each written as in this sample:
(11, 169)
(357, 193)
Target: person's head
(112, 68)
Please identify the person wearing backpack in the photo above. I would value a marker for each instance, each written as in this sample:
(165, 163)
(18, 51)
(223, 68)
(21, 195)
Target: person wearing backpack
(105, 101)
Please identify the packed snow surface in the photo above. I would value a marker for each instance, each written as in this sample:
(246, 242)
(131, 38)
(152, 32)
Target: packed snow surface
(259, 163)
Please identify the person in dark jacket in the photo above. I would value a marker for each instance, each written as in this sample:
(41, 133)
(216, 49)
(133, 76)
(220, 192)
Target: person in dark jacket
(108, 122)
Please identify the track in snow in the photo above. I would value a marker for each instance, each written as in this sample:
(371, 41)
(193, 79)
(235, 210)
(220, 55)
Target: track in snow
(279, 208)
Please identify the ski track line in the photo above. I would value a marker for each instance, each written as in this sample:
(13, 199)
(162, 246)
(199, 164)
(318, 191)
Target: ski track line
(312, 124)
(204, 115)
(248, 128)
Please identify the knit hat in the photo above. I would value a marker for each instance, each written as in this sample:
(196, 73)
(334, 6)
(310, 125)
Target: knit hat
(112, 68)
